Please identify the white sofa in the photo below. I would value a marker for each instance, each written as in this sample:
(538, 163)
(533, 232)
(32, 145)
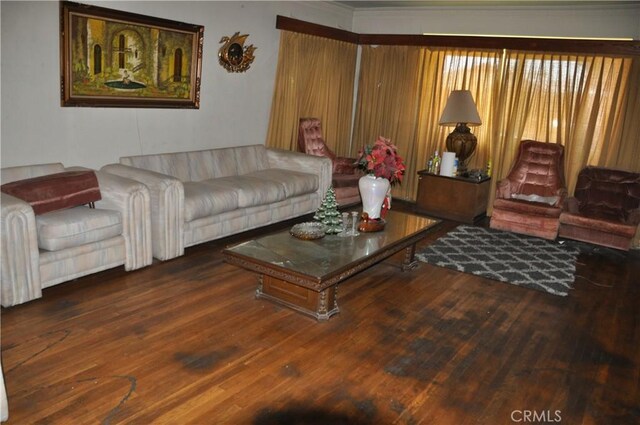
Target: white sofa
(39, 251)
(204, 195)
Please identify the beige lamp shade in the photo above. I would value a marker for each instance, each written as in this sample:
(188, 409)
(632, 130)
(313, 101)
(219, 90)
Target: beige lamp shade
(460, 108)
(461, 111)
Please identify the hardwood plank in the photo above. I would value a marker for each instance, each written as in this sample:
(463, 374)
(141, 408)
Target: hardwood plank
(185, 341)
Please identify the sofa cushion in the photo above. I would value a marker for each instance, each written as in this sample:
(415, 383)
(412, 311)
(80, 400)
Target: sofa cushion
(56, 191)
(203, 200)
(76, 226)
(295, 183)
(252, 190)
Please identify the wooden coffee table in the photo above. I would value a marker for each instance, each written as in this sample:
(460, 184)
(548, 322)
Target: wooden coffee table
(304, 275)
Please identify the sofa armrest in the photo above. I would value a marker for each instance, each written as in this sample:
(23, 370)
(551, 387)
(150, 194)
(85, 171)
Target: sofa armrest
(562, 195)
(503, 189)
(342, 165)
(20, 256)
(132, 199)
(296, 161)
(167, 208)
(634, 217)
(571, 205)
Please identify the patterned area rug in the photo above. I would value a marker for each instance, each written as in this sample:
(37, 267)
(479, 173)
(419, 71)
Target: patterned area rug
(507, 257)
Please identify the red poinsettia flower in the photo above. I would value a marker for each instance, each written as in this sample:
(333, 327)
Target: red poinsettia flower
(382, 160)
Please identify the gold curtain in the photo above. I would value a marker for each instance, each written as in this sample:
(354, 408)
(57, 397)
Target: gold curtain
(588, 103)
(573, 100)
(314, 78)
(623, 150)
(445, 70)
(387, 102)
(627, 155)
(402, 92)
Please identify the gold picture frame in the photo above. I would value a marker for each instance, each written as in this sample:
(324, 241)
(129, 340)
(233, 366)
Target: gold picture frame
(110, 58)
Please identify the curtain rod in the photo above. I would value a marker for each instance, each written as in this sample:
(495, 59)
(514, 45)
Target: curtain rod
(612, 47)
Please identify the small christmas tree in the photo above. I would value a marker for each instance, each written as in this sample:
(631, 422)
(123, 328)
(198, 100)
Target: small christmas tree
(328, 213)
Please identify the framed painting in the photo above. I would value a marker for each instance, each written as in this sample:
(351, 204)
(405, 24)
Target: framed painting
(112, 58)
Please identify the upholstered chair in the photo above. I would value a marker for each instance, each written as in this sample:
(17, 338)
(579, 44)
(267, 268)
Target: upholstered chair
(529, 200)
(47, 239)
(605, 208)
(345, 176)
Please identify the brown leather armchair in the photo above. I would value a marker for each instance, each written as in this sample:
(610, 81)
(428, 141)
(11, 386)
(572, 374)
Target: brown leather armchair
(529, 200)
(345, 178)
(605, 209)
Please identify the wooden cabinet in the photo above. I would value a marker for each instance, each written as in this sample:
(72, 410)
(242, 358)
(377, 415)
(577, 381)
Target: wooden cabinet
(454, 198)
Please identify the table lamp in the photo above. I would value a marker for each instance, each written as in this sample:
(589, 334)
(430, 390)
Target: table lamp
(461, 111)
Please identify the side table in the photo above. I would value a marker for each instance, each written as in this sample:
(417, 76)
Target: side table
(455, 198)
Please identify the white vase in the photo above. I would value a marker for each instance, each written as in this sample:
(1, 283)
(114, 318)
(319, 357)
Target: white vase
(373, 190)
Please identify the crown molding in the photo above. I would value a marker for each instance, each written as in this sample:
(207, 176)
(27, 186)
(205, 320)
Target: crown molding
(609, 47)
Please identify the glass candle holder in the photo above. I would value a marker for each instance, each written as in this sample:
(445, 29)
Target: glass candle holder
(346, 226)
(354, 224)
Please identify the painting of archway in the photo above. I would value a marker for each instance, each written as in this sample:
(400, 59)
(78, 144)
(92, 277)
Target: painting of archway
(114, 58)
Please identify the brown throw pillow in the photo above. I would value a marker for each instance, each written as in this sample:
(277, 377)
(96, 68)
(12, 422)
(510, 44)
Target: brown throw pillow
(56, 191)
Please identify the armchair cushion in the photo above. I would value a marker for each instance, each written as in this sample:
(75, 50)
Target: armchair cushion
(600, 224)
(56, 191)
(73, 227)
(551, 200)
(525, 207)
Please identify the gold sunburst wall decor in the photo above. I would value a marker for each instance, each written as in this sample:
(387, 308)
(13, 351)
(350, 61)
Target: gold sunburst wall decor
(233, 55)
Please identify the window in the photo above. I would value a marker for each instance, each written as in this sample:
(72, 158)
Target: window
(177, 66)
(121, 50)
(97, 59)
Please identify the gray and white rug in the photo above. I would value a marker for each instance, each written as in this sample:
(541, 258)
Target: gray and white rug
(507, 257)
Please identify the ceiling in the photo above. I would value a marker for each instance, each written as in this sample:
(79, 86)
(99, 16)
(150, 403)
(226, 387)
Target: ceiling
(469, 3)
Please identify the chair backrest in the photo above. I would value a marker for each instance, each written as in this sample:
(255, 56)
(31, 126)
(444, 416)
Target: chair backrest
(538, 169)
(310, 140)
(12, 174)
(608, 193)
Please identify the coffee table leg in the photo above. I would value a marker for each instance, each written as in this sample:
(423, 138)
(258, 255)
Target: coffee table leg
(410, 261)
(320, 305)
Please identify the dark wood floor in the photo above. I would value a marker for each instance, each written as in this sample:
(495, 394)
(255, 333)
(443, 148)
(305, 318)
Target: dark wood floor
(185, 341)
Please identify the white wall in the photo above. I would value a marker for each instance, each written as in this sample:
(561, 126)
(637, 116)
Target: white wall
(585, 20)
(234, 107)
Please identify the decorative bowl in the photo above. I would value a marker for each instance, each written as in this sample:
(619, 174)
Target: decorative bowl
(308, 231)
